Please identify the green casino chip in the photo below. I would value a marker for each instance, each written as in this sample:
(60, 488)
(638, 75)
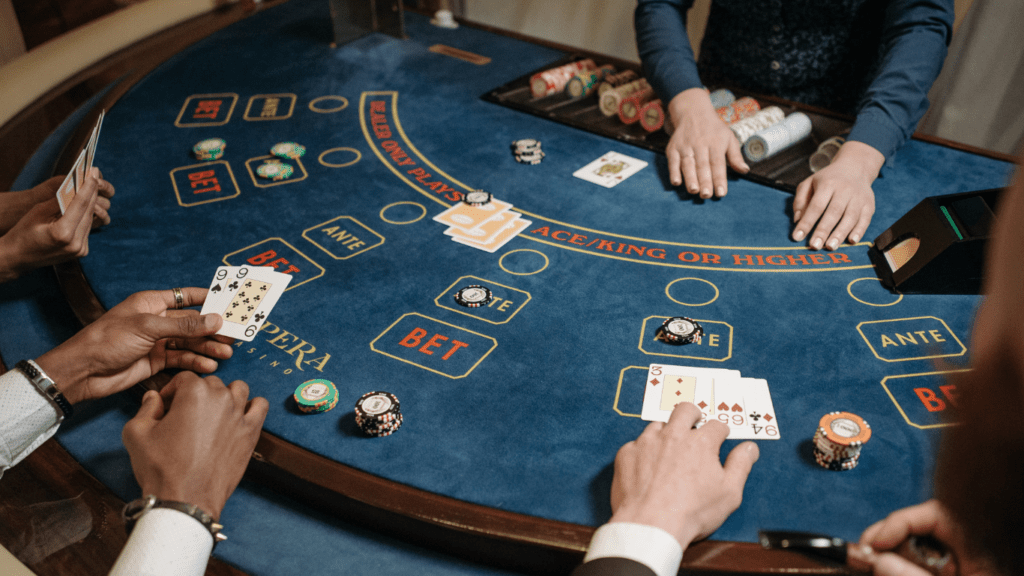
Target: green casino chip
(275, 170)
(288, 150)
(209, 149)
(317, 395)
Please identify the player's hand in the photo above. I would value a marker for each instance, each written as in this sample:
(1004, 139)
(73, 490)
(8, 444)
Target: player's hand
(878, 542)
(671, 477)
(133, 341)
(701, 146)
(14, 205)
(43, 237)
(101, 212)
(192, 441)
(838, 197)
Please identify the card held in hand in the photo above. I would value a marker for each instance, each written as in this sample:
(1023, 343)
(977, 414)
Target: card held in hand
(244, 297)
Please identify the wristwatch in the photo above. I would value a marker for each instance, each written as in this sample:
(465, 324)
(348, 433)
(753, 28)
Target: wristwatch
(46, 386)
(137, 508)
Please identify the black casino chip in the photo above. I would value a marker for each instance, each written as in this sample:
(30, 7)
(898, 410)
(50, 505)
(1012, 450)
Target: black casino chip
(473, 296)
(477, 198)
(681, 330)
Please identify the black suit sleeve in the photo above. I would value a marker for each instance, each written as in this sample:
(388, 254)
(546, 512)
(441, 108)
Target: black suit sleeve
(613, 567)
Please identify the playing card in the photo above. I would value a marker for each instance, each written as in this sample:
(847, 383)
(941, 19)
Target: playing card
(610, 169)
(90, 147)
(668, 385)
(244, 297)
(745, 405)
(79, 171)
(66, 192)
(500, 239)
(486, 230)
(466, 217)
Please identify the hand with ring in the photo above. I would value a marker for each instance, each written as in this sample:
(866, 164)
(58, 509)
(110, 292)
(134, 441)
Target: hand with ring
(133, 341)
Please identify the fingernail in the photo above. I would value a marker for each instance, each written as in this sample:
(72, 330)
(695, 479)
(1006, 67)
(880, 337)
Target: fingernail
(798, 235)
(833, 243)
(210, 320)
(797, 215)
(720, 191)
(816, 243)
(705, 193)
(694, 189)
(854, 238)
(746, 168)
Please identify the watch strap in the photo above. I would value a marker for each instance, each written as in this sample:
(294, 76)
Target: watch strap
(45, 385)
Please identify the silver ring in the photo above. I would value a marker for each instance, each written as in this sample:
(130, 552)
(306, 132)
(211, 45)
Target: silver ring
(179, 299)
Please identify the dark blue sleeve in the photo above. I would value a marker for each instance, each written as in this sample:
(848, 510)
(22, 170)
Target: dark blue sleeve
(914, 43)
(664, 46)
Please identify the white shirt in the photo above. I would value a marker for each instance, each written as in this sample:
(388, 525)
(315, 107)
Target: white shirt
(163, 543)
(650, 546)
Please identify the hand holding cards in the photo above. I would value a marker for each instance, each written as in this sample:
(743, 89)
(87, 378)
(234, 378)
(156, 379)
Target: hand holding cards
(744, 404)
(244, 297)
(75, 179)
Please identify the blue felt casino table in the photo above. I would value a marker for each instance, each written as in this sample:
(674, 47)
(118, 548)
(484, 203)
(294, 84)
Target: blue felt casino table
(513, 412)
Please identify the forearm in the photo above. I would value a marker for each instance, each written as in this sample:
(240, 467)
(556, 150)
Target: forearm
(915, 42)
(14, 205)
(664, 46)
(11, 265)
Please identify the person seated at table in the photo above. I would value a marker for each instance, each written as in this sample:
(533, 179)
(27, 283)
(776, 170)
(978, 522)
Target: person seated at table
(33, 233)
(875, 60)
(189, 443)
(670, 489)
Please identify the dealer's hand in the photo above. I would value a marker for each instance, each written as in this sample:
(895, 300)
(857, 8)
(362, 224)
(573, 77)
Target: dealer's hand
(838, 197)
(930, 518)
(671, 477)
(702, 146)
(133, 341)
(192, 441)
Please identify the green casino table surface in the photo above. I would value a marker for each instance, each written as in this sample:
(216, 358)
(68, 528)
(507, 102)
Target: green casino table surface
(513, 411)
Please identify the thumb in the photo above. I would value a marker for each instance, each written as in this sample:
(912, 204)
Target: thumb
(184, 326)
(152, 406)
(739, 462)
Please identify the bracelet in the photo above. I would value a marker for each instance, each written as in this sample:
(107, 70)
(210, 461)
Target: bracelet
(46, 386)
(136, 508)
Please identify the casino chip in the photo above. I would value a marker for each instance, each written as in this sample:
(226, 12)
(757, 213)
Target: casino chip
(527, 151)
(839, 439)
(681, 330)
(378, 414)
(274, 170)
(473, 296)
(316, 396)
(477, 198)
(209, 149)
(288, 150)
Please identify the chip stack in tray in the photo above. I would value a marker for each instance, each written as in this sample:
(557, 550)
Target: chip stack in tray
(527, 151)
(378, 414)
(553, 81)
(315, 396)
(210, 149)
(839, 439)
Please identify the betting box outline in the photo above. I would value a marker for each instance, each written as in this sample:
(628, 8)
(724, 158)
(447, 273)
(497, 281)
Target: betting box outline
(248, 107)
(963, 349)
(447, 290)
(256, 179)
(403, 316)
(352, 218)
(282, 241)
(900, 408)
(618, 390)
(643, 338)
(184, 107)
(177, 193)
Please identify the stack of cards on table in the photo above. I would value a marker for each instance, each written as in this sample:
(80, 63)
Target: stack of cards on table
(75, 179)
(244, 297)
(610, 169)
(487, 226)
(744, 404)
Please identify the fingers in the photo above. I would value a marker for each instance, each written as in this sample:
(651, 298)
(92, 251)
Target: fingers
(152, 406)
(811, 214)
(739, 463)
(684, 416)
(862, 224)
(719, 178)
(239, 392)
(734, 155)
(189, 360)
(850, 218)
(181, 327)
(256, 413)
(689, 167)
(106, 189)
(889, 564)
(896, 527)
(800, 199)
(675, 175)
(191, 296)
(101, 212)
(703, 169)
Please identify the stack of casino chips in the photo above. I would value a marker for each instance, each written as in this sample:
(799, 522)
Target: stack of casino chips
(378, 414)
(477, 198)
(652, 116)
(681, 330)
(826, 151)
(288, 150)
(738, 110)
(210, 149)
(473, 296)
(630, 106)
(554, 80)
(275, 170)
(585, 82)
(721, 98)
(611, 99)
(615, 80)
(744, 129)
(776, 138)
(315, 396)
(838, 440)
(527, 151)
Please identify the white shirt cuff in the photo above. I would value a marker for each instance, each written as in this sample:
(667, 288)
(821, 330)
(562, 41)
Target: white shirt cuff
(650, 546)
(165, 543)
(27, 418)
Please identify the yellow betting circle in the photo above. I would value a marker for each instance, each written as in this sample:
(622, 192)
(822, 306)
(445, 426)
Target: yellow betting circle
(312, 104)
(359, 156)
(849, 290)
(402, 222)
(501, 262)
(667, 288)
